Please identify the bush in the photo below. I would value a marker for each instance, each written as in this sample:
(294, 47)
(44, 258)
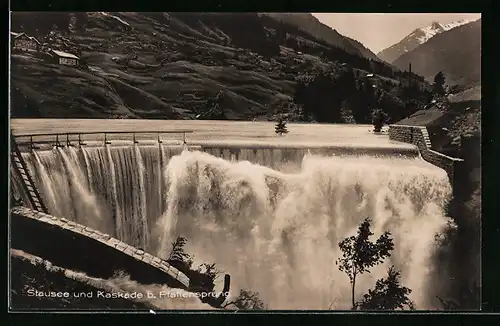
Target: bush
(281, 127)
(379, 118)
(247, 300)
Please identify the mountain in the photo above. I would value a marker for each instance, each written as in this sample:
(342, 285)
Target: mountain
(416, 38)
(311, 25)
(174, 65)
(456, 52)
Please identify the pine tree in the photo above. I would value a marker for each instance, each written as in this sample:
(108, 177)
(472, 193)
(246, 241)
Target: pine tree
(178, 253)
(379, 118)
(439, 81)
(388, 294)
(280, 127)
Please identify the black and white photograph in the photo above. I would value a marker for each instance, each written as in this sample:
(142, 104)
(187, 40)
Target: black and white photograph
(232, 162)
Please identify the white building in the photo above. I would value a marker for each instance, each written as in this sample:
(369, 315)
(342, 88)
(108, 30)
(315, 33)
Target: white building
(64, 58)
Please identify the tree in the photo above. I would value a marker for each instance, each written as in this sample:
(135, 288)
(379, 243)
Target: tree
(388, 294)
(210, 270)
(379, 118)
(201, 278)
(359, 254)
(247, 300)
(280, 127)
(178, 254)
(438, 85)
(318, 92)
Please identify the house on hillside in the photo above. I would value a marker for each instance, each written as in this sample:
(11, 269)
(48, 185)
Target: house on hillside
(23, 42)
(64, 58)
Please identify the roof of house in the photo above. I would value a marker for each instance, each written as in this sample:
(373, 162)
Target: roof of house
(34, 39)
(65, 55)
(17, 35)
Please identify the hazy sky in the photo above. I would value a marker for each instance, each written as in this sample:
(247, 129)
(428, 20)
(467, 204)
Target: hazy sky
(379, 31)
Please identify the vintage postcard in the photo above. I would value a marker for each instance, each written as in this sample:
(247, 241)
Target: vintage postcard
(245, 161)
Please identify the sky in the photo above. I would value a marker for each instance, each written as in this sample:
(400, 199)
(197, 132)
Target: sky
(379, 31)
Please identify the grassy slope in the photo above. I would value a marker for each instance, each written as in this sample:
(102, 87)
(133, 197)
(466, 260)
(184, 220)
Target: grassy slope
(178, 66)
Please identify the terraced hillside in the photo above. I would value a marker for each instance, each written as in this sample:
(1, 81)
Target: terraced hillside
(172, 65)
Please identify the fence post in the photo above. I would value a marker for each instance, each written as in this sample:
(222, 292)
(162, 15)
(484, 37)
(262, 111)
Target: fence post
(80, 140)
(159, 140)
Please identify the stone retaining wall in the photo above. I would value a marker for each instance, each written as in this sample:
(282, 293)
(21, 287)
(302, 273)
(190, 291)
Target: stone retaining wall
(419, 136)
(81, 248)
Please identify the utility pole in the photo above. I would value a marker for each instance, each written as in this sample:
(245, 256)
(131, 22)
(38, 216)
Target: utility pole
(409, 74)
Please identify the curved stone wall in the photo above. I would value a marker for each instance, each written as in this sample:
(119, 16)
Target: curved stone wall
(419, 136)
(81, 248)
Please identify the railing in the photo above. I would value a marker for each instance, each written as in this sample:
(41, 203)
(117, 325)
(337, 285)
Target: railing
(66, 138)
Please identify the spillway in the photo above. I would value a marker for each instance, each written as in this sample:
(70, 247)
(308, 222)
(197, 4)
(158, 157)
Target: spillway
(270, 218)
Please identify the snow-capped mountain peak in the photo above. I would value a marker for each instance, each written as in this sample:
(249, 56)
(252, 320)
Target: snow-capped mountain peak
(449, 26)
(416, 38)
(430, 31)
(436, 28)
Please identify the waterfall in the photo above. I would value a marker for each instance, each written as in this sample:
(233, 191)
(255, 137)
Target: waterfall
(117, 190)
(272, 218)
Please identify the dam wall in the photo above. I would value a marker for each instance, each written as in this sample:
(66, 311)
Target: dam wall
(418, 135)
(280, 219)
(290, 152)
(80, 248)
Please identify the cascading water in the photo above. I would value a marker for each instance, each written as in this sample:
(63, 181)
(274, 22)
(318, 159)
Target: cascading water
(114, 189)
(275, 230)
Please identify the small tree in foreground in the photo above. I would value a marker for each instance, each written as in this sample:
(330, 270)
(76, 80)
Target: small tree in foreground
(280, 127)
(210, 270)
(379, 118)
(247, 300)
(359, 254)
(388, 294)
(178, 254)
